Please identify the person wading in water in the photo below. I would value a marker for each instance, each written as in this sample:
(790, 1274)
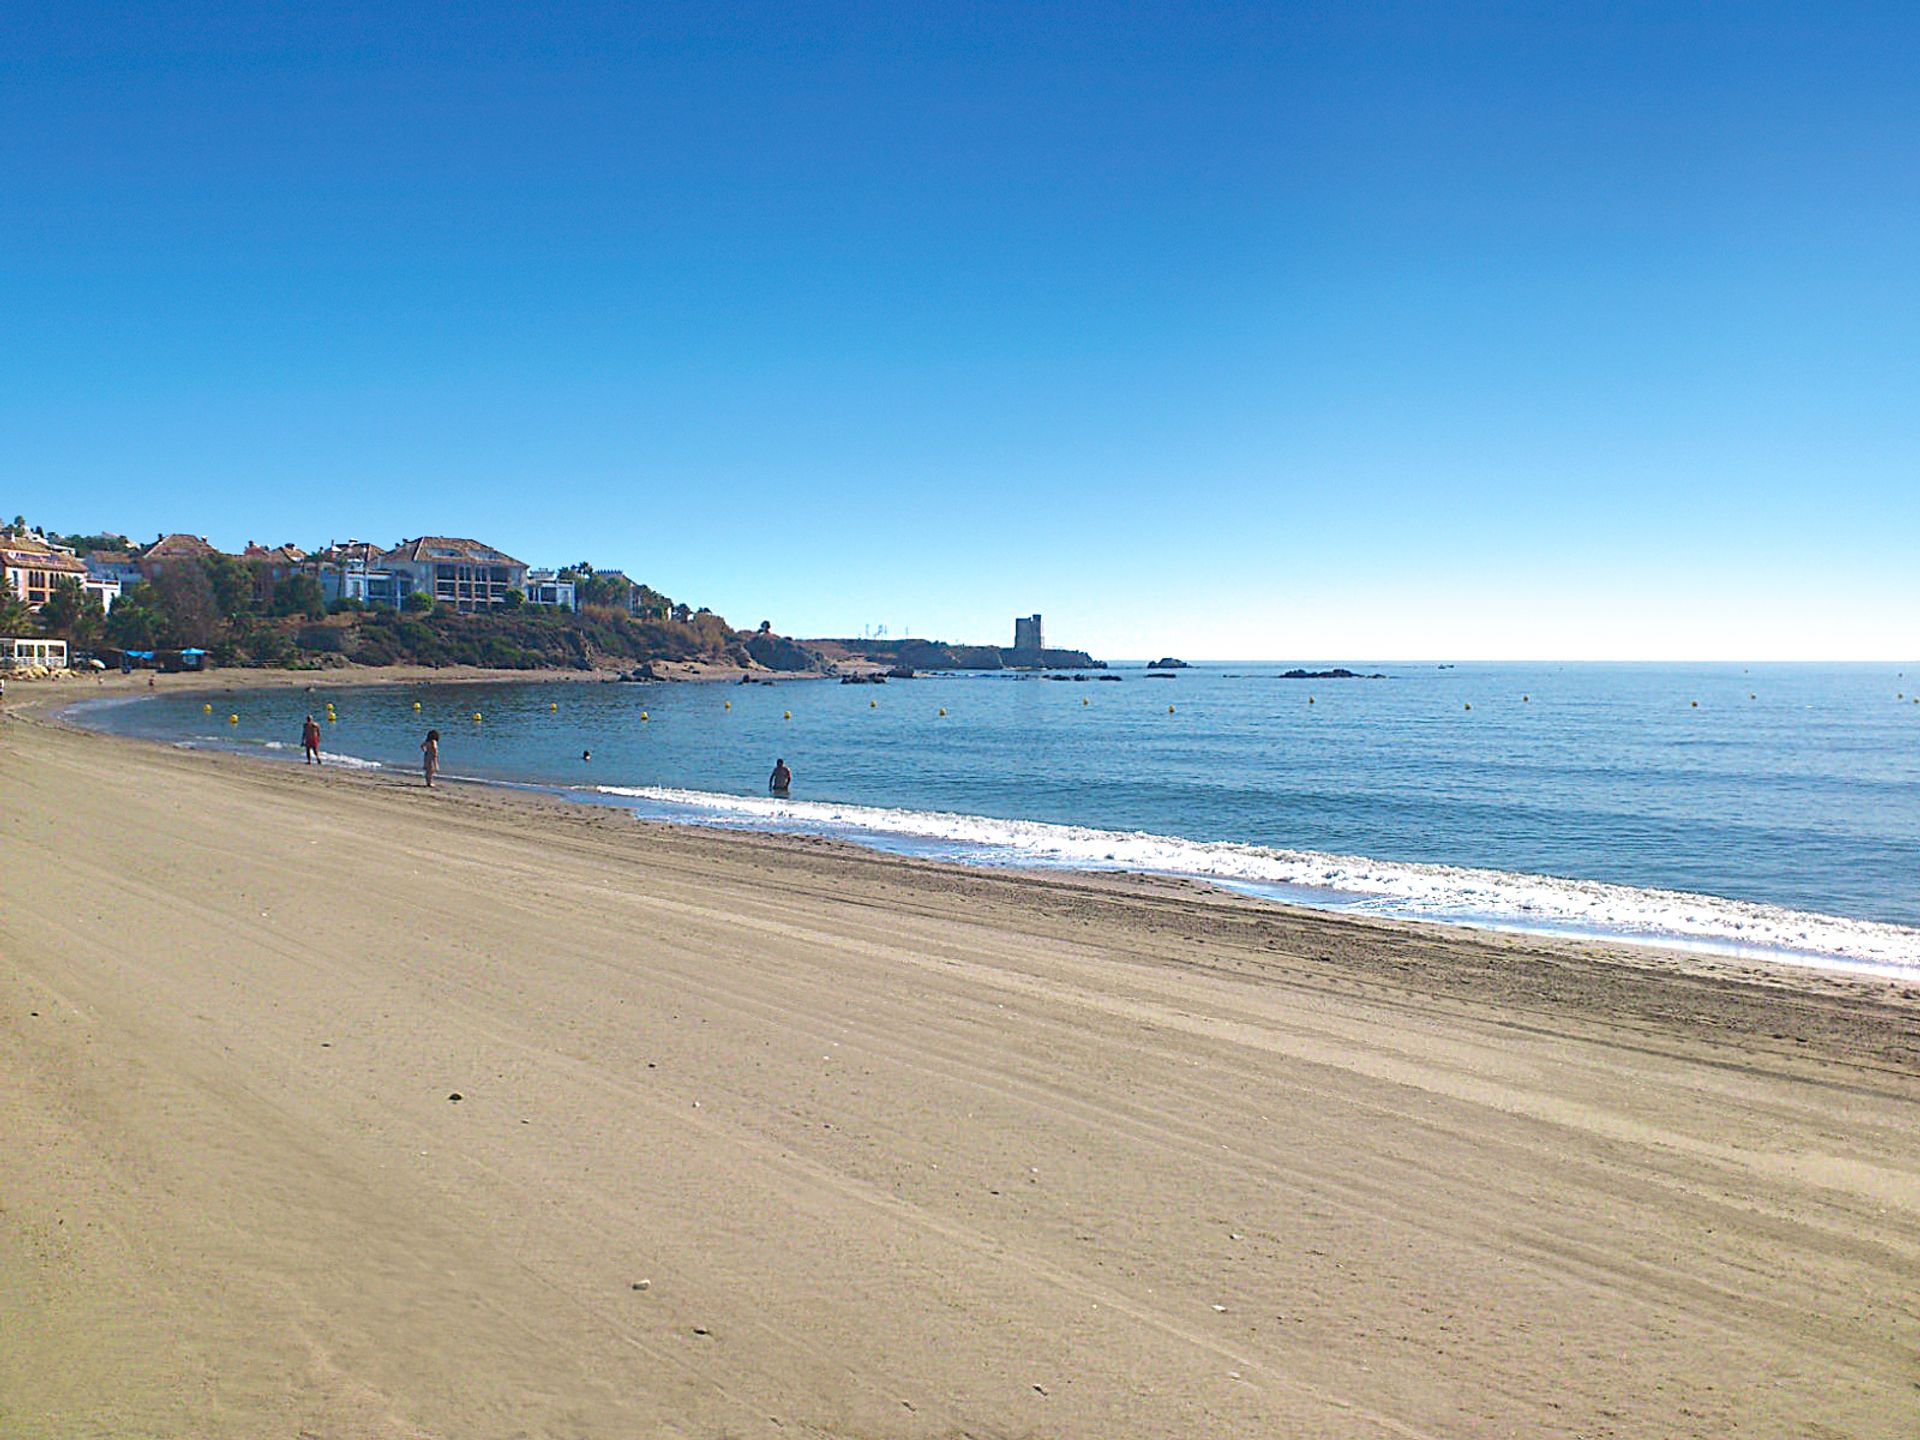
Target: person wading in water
(430, 755)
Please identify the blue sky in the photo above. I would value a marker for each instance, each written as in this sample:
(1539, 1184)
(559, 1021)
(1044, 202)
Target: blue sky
(1252, 331)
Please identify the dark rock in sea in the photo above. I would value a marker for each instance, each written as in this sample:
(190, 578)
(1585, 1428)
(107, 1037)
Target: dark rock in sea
(901, 672)
(863, 679)
(1167, 662)
(1116, 679)
(1160, 675)
(1329, 675)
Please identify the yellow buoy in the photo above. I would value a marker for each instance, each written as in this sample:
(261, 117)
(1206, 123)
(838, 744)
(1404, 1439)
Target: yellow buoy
(728, 705)
(553, 705)
(476, 714)
(645, 716)
(1085, 701)
(943, 712)
(416, 704)
(1467, 706)
(1309, 700)
(331, 717)
(206, 709)
(873, 704)
(233, 719)
(786, 714)
(1169, 709)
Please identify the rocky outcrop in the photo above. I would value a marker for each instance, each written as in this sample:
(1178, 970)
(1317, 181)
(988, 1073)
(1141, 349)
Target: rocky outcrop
(941, 655)
(1167, 662)
(777, 652)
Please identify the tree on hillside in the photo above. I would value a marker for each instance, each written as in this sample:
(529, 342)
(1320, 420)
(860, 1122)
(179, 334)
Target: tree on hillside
(73, 614)
(650, 604)
(183, 596)
(299, 595)
(105, 542)
(15, 617)
(232, 581)
(418, 602)
(135, 622)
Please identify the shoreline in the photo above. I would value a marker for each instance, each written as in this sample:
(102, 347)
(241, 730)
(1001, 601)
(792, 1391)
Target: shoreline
(345, 1107)
(502, 798)
(33, 694)
(1707, 949)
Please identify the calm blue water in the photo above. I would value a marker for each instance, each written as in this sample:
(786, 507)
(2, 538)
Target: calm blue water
(1789, 788)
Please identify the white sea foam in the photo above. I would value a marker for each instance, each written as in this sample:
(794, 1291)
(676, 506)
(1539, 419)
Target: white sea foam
(345, 762)
(1492, 898)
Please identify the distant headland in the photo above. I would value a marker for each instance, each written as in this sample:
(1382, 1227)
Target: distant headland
(179, 602)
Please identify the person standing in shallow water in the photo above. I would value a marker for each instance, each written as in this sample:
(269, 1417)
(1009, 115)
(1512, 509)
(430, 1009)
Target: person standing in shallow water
(430, 756)
(782, 778)
(310, 740)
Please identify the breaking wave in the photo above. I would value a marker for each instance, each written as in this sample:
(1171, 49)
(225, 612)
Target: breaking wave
(345, 762)
(1497, 899)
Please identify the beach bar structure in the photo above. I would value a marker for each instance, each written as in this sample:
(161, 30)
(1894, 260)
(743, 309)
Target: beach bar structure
(32, 652)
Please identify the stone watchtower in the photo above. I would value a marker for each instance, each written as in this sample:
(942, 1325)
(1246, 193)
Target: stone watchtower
(1027, 633)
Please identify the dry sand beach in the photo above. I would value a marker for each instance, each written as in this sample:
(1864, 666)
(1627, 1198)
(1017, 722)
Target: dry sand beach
(335, 1108)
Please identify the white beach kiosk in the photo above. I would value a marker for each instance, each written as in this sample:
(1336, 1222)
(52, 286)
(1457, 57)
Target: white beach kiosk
(32, 652)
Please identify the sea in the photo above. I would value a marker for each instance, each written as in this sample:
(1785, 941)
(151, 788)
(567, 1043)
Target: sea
(1766, 811)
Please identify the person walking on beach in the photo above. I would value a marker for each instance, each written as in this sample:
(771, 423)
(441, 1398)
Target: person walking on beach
(310, 740)
(782, 778)
(430, 755)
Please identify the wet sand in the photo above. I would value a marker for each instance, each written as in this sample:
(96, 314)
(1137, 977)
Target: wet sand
(891, 1148)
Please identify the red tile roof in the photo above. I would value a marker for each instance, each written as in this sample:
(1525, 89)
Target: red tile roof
(429, 548)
